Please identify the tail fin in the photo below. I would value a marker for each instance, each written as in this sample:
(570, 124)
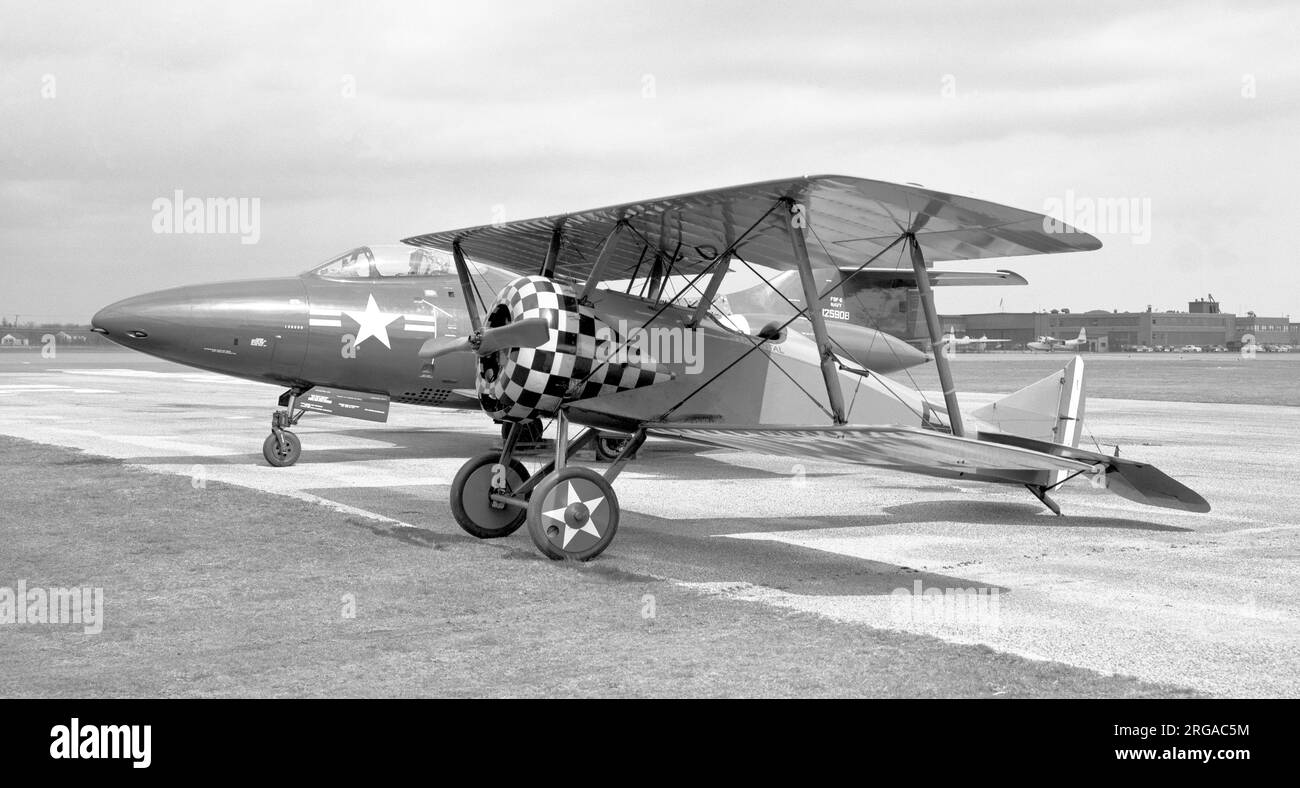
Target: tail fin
(1050, 410)
(1083, 334)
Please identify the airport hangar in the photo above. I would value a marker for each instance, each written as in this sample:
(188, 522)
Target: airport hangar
(1203, 325)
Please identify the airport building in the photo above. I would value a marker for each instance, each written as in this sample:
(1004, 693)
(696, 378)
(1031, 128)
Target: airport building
(1204, 324)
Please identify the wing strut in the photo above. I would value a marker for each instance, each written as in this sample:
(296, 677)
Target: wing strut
(602, 261)
(466, 286)
(711, 289)
(553, 251)
(936, 337)
(814, 314)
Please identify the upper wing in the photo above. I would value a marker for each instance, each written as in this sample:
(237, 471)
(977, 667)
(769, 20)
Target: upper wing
(849, 220)
(905, 448)
(905, 277)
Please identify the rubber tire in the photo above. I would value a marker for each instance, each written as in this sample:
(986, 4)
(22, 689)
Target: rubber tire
(271, 450)
(609, 447)
(607, 512)
(472, 519)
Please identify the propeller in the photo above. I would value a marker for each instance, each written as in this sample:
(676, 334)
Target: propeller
(529, 332)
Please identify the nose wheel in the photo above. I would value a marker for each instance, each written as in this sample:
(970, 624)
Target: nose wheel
(282, 448)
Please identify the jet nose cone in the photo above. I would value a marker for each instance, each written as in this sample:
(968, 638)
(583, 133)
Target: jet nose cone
(149, 322)
(110, 320)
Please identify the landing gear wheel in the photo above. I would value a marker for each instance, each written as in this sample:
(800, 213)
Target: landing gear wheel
(609, 447)
(473, 508)
(573, 514)
(282, 453)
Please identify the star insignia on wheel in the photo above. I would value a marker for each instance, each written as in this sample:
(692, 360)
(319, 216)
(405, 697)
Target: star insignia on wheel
(372, 323)
(588, 527)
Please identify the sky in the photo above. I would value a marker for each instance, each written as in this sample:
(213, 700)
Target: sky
(354, 123)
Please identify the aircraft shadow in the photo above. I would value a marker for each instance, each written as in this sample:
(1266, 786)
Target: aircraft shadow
(665, 463)
(698, 550)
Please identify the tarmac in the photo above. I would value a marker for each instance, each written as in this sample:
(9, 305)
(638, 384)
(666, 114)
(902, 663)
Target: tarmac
(1200, 601)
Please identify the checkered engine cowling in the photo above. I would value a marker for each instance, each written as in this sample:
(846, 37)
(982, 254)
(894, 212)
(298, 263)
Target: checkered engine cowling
(517, 384)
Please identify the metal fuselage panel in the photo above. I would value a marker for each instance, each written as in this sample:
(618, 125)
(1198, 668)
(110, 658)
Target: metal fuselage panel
(250, 330)
(365, 336)
(301, 331)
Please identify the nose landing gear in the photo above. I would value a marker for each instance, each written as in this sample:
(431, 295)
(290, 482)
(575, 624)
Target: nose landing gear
(282, 448)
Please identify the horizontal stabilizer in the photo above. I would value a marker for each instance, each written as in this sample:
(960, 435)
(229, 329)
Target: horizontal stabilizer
(1149, 485)
(1136, 481)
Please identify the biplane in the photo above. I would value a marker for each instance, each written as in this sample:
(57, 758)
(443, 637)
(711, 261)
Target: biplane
(568, 341)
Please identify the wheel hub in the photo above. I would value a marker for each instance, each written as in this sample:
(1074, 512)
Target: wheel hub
(577, 513)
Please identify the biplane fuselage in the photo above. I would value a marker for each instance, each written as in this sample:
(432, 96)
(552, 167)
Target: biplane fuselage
(771, 386)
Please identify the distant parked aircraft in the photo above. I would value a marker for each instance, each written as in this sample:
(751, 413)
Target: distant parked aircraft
(1050, 344)
(951, 339)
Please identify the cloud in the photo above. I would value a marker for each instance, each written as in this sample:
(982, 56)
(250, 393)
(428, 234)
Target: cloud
(371, 121)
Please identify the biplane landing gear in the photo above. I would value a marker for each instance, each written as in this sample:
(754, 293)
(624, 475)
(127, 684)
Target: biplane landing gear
(472, 490)
(282, 448)
(573, 514)
(609, 447)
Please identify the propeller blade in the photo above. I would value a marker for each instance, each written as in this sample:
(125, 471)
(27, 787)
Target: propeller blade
(436, 348)
(530, 332)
